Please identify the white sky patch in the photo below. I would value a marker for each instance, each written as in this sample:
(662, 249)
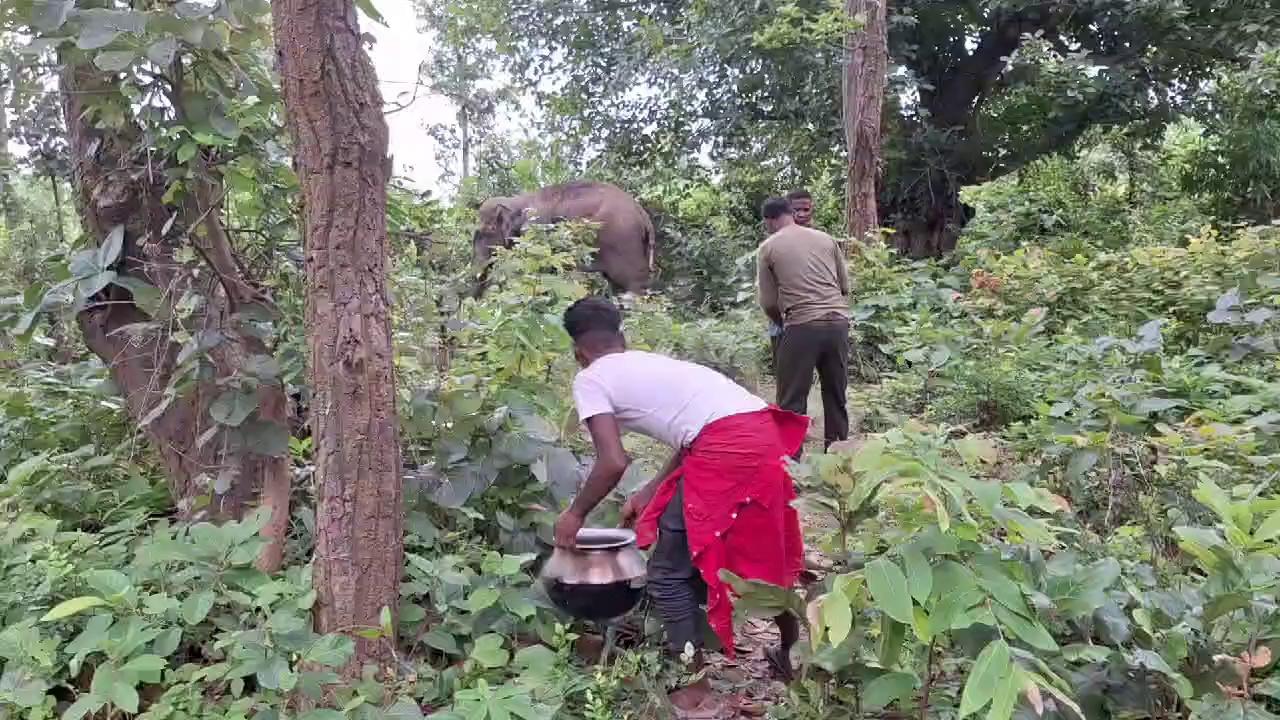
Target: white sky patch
(399, 50)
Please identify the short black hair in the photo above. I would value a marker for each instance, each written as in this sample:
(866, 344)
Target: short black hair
(593, 317)
(775, 207)
(800, 194)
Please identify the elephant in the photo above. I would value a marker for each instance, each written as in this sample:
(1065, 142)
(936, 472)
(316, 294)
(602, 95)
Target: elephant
(625, 237)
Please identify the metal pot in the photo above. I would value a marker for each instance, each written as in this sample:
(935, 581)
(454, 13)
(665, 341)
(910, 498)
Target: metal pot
(602, 579)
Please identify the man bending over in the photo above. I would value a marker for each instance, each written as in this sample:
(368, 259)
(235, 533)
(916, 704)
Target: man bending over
(723, 500)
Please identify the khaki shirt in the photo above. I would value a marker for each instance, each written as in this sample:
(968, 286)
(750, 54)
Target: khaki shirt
(802, 276)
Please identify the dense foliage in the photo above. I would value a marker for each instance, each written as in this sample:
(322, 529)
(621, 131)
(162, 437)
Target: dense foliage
(1062, 497)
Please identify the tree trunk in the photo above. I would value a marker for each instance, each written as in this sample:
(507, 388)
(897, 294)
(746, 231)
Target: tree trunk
(334, 114)
(214, 470)
(8, 201)
(58, 218)
(864, 81)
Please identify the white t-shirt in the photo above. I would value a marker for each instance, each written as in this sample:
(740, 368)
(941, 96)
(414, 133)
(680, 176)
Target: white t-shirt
(666, 399)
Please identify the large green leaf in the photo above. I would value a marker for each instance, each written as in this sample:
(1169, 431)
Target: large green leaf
(837, 617)
(888, 688)
(919, 573)
(1029, 631)
(993, 665)
(233, 407)
(488, 651)
(197, 606)
(74, 606)
(888, 586)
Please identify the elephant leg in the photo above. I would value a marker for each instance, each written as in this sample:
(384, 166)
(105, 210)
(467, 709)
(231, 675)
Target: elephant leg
(624, 258)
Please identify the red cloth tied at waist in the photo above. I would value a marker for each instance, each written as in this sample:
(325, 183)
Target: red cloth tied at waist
(737, 506)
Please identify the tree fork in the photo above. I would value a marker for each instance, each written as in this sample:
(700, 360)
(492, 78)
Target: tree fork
(112, 191)
(334, 115)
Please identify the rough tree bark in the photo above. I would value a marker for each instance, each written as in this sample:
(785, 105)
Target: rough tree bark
(334, 115)
(866, 58)
(8, 203)
(212, 472)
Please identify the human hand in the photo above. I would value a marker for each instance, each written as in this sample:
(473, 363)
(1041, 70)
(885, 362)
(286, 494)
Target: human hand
(566, 530)
(631, 510)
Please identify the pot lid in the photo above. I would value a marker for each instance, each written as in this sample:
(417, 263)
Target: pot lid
(605, 538)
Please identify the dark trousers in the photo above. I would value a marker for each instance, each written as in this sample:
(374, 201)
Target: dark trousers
(674, 583)
(823, 346)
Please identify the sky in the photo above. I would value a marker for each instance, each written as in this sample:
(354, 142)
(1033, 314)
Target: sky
(396, 54)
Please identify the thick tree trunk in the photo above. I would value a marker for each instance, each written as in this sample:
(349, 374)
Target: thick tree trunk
(866, 58)
(214, 470)
(334, 113)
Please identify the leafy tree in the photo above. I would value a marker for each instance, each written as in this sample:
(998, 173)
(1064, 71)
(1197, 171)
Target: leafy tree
(334, 113)
(979, 88)
(1237, 159)
(162, 103)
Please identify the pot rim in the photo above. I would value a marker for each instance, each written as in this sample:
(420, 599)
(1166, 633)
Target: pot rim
(604, 538)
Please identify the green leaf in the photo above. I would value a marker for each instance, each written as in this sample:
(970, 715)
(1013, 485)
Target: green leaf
(1226, 603)
(25, 470)
(481, 599)
(74, 606)
(366, 6)
(1154, 661)
(323, 714)
(1006, 696)
(888, 688)
(162, 52)
(892, 633)
(919, 573)
(262, 367)
(330, 651)
(488, 651)
(1269, 529)
(404, 708)
(109, 583)
(992, 665)
(144, 668)
(114, 60)
(186, 151)
(1086, 653)
(837, 617)
(167, 642)
(197, 606)
(50, 15)
(100, 27)
(1029, 631)
(889, 588)
(442, 641)
(233, 407)
(87, 287)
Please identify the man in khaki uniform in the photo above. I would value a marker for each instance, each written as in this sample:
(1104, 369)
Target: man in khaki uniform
(804, 287)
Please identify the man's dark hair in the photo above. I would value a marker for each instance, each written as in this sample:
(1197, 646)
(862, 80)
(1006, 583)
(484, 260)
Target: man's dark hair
(800, 194)
(593, 320)
(776, 207)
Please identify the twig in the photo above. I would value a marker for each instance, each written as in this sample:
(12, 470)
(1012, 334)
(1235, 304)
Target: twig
(928, 682)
